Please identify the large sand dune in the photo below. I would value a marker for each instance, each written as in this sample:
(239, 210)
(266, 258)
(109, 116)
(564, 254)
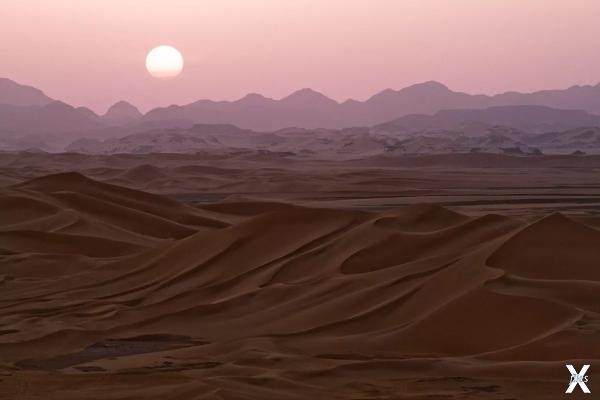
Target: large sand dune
(113, 293)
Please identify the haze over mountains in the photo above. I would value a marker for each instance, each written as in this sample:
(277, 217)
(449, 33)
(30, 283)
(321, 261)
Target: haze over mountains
(31, 120)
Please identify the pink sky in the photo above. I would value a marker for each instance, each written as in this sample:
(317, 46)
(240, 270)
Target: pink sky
(91, 52)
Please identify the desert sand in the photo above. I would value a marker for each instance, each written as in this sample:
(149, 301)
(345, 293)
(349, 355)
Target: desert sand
(260, 277)
(471, 183)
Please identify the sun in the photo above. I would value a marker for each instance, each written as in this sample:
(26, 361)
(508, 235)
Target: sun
(164, 62)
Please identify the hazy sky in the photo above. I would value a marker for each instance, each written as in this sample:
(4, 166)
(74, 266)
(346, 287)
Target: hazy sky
(91, 52)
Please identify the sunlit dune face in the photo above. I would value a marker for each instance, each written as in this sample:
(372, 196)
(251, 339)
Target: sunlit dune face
(164, 62)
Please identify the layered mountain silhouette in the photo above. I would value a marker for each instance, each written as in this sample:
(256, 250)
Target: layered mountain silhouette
(309, 109)
(531, 119)
(444, 132)
(30, 119)
(54, 117)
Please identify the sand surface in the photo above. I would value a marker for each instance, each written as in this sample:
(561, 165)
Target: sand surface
(471, 183)
(131, 285)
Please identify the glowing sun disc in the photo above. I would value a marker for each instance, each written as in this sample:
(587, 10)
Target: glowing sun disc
(164, 62)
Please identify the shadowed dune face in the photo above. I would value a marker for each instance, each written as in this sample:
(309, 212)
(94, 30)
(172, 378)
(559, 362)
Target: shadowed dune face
(257, 300)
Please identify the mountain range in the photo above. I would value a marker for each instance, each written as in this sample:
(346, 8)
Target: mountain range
(528, 118)
(307, 108)
(30, 119)
(348, 143)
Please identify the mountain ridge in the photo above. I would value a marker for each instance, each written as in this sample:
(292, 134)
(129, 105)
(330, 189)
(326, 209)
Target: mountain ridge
(320, 111)
(16, 94)
(122, 112)
(304, 108)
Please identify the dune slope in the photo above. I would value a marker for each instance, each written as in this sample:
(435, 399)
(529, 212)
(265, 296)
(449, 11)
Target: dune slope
(277, 301)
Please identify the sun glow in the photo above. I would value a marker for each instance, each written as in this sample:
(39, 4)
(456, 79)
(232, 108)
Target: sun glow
(164, 62)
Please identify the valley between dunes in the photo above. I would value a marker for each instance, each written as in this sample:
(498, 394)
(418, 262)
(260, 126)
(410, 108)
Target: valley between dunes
(108, 292)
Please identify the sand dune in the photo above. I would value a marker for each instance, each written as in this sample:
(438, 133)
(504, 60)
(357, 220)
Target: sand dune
(266, 300)
(471, 183)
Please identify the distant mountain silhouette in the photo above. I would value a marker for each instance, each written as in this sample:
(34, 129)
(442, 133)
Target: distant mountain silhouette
(308, 99)
(15, 94)
(91, 115)
(306, 143)
(429, 106)
(54, 117)
(309, 109)
(122, 112)
(517, 130)
(423, 98)
(531, 119)
(49, 127)
(304, 108)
